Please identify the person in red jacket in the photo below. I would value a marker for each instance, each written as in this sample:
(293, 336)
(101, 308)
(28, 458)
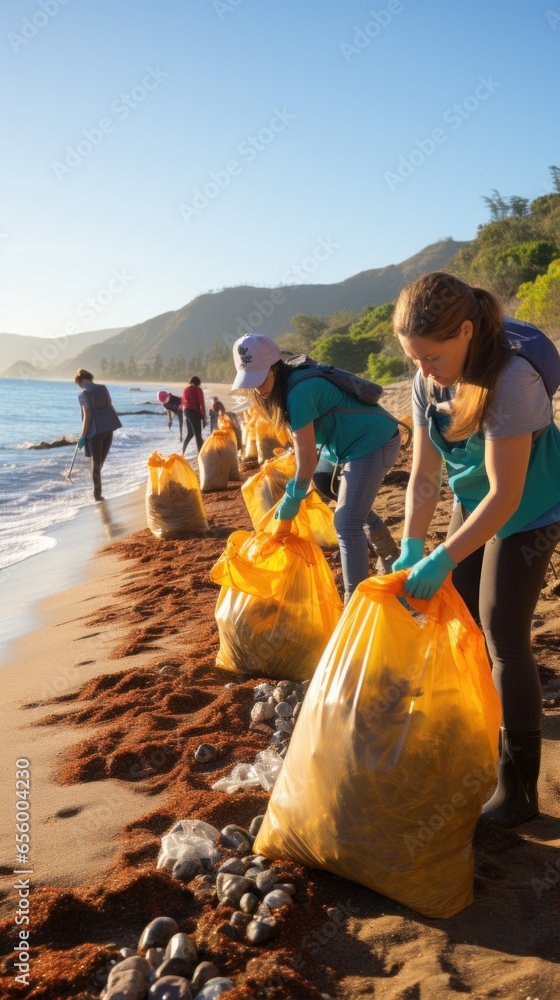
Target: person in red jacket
(194, 409)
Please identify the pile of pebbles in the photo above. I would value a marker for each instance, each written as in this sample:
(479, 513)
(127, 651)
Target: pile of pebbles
(167, 969)
(277, 707)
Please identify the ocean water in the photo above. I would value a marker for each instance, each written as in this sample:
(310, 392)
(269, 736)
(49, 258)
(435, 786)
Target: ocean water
(34, 494)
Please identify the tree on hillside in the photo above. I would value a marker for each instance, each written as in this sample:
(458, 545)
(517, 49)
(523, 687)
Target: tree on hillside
(384, 369)
(519, 206)
(540, 299)
(555, 175)
(345, 351)
(497, 206)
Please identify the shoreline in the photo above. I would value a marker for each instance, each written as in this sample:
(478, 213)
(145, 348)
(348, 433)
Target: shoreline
(27, 583)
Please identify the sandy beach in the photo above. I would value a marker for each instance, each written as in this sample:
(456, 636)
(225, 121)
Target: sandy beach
(108, 698)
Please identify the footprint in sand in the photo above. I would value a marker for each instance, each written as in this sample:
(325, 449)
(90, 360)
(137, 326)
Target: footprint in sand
(68, 813)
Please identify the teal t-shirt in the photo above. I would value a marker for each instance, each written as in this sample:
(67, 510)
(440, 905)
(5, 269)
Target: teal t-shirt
(341, 436)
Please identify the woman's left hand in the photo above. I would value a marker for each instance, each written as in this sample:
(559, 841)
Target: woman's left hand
(428, 575)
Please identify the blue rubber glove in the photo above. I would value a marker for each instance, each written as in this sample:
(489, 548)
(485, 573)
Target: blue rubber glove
(428, 575)
(412, 550)
(81, 442)
(290, 502)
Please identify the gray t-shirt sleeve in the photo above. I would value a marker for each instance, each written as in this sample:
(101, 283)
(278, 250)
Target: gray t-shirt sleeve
(419, 401)
(520, 403)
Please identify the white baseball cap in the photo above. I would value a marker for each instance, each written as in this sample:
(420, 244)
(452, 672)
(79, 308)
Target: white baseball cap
(253, 356)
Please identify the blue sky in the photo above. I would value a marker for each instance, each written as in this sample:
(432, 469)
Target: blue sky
(293, 117)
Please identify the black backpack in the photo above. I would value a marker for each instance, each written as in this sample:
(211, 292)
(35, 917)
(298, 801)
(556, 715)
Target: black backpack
(362, 390)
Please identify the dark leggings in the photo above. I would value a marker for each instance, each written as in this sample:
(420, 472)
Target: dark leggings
(99, 449)
(194, 428)
(500, 583)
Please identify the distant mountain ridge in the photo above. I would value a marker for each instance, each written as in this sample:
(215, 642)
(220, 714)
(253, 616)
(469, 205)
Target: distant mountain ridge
(226, 315)
(36, 357)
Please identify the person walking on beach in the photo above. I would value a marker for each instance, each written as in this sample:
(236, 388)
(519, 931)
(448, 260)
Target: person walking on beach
(365, 442)
(194, 410)
(172, 404)
(99, 420)
(485, 410)
(217, 409)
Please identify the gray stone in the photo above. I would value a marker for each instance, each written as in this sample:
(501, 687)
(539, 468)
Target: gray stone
(127, 952)
(232, 887)
(238, 919)
(202, 974)
(263, 911)
(237, 838)
(278, 898)
(186, 869)
(155, 956)
(129, 979)
(256, 824)
(252, 872)
(263, 691)
(175, 967)
(182, 946)
(262, 711)
(248, 902)
(170, 988)
(230, 685)
(284, 709)
(286, 887)
(157, 933)
(206, 752)
(279, 738)
(265, 880)
(261, 861)
(215, 987)
(260, 931)
(292, 700)
(285, 726)
(233, 866)
(231, 932)
(297, 710)
(169, 668)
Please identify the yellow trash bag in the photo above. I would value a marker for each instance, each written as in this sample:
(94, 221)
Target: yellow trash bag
(229, 421)
(174, 507)
(393, 753)
(278, 604)
(217, 461)
(263, 491)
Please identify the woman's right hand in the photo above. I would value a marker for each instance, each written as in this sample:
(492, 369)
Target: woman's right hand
(412, 551)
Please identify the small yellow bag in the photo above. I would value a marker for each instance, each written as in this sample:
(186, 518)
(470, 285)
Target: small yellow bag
(174, 507)
(217, 460)
(263, 491)
(278, 604)
(393, 753)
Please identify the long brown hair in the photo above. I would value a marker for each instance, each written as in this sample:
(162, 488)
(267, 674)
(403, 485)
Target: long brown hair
(435, 306)
(274, 408)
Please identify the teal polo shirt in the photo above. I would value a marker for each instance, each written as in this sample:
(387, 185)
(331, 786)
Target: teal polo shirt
(341, 436)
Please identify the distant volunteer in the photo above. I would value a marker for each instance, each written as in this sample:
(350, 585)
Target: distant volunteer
(365, 443)
(486, 411)
(99, 420)
(217, 410)
(194, 410)
(173, 405)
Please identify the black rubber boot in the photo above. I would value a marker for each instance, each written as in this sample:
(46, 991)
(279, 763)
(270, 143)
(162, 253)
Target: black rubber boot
(516, 798)
(383, 545)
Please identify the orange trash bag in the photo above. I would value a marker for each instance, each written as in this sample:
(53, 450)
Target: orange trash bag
(174, 507)
(278, 604)
(217, 461)
(394, 752)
